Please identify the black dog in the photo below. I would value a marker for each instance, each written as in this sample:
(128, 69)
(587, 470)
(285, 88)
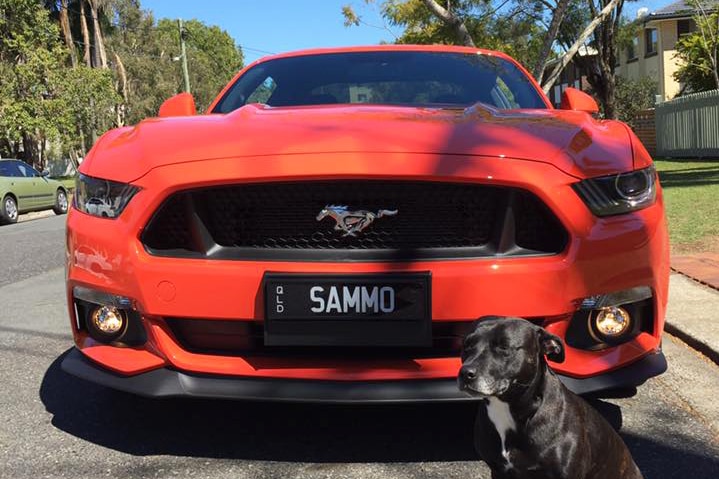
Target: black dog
(529, 425)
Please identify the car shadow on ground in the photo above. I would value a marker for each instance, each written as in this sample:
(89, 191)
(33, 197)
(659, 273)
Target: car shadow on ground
(690, 177)
(294, 432)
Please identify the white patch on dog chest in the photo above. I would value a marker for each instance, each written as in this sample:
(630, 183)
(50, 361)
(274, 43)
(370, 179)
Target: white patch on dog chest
(500, 415)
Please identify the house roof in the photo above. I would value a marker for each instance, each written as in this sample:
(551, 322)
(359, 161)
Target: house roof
(679, 9)
(584, 51)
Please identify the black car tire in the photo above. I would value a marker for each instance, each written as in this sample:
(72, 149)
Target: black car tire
(8, 210)
(61, 202)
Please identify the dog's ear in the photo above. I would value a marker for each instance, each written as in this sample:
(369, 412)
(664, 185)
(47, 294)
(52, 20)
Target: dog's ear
(552, 346)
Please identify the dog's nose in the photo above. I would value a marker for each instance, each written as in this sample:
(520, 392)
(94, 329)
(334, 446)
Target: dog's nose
(468, 373)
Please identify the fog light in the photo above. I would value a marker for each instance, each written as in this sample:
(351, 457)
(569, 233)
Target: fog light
(612, 322)
(107, 320)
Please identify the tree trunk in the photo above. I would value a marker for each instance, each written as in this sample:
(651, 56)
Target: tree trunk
(83, 143)
(73, 159)
(100, 53)
(607, 59)
(67, 33)
(599, 68)
(85, 35)
(557, 17)
(31, 150)
(567, 57)
(121, 109)
(450, 19)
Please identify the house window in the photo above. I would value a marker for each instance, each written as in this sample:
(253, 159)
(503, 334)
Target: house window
(651, 41)
(685, 27)
(632, 49)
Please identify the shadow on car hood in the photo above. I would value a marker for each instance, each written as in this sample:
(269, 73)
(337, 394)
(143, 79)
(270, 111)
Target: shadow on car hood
(572, 141)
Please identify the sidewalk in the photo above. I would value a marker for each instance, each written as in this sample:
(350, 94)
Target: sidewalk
(697, 323)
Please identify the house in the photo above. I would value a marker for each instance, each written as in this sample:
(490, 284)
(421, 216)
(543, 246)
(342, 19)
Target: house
(571, 76)
(652, 52)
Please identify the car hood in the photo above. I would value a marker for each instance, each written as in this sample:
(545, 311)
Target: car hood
(572, 141)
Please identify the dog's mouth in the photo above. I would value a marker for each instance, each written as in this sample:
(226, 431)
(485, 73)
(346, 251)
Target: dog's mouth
(470, 391)
(473, 389)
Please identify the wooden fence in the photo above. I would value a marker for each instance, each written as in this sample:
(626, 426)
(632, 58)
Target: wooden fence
(689, 126)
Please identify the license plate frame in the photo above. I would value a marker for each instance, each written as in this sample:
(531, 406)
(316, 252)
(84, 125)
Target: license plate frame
(289, 320)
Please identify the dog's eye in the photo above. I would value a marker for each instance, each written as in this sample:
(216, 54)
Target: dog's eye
(501, 346)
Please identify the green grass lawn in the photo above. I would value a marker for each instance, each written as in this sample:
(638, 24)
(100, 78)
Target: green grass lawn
(691, 196)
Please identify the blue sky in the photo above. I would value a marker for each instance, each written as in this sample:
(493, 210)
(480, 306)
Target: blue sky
(277, 26)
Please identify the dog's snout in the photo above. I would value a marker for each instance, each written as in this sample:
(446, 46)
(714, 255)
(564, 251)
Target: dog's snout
(468, 373)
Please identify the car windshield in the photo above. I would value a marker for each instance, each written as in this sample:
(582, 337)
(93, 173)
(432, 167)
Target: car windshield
(407, 78)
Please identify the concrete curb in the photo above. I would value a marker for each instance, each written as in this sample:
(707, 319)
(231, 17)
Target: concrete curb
(35, 215)
(695, 321)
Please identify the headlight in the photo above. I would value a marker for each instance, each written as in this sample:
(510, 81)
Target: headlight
(103, 198)
(617, 194)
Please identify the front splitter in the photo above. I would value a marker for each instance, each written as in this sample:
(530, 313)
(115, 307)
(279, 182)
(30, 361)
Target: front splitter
(165, 382)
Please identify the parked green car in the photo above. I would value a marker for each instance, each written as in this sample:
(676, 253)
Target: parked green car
(23, 189)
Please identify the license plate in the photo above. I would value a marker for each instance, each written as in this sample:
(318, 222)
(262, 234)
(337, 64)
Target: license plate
(361, 310)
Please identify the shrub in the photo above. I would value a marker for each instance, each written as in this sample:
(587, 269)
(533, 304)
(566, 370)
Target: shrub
(633, 96)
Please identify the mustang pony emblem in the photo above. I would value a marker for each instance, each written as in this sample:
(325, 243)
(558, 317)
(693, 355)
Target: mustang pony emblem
(351, 222)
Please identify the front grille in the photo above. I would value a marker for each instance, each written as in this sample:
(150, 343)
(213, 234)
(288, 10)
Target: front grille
(279, 221)
(237, 338)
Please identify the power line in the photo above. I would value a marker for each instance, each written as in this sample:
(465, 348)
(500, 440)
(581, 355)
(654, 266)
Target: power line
(257, 50)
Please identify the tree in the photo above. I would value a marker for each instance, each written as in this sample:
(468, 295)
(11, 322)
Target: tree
(699, 50)
(142, 64)
(96, 6)
(600, 23)
(51, 100)
(451, 19)
(41, 99)
(213, 57)
(66, 32)
(558, 12)
(462, 22)
(633, 96)
(526, 30)
(85, 35)
(600, 27)
(507, 30)
(85, 99)
(29, 53)
(143, 53)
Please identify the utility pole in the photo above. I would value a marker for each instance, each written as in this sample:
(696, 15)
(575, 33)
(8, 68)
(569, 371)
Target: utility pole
(185, 71)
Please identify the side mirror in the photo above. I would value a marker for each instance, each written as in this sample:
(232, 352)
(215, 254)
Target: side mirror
(178, 105)
(45, 173)
(573, 99)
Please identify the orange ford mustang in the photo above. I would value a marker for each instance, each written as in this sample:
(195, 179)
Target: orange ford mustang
(332, 226)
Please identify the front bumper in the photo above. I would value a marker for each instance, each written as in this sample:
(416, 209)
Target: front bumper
(603, 255)
(166, 382)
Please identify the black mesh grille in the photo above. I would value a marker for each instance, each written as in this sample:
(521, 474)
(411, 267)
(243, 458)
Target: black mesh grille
(228, 338)
(279, 221)
(239, 337)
